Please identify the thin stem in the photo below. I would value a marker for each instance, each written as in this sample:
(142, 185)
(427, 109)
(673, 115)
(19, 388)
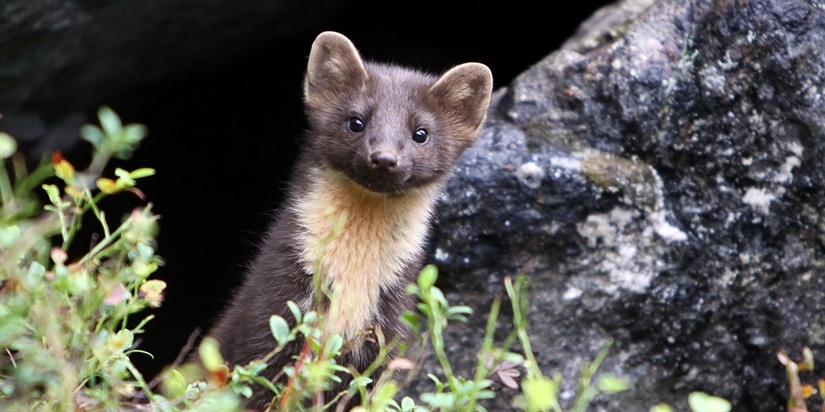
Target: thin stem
(104, 243)
(100, 160)
(139, 378)
(6, 191)
(585, 393)
(26, 183)
(64, 231)
(486, 350)
(520, 322)
(435, 323)
(98, 213)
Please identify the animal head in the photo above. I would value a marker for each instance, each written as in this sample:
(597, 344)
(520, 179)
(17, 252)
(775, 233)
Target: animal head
(386, 127)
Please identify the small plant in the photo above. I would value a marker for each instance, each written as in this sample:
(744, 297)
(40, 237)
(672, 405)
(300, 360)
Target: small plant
(299, 385)
(799, 392)
(64, 319)
(462, 394)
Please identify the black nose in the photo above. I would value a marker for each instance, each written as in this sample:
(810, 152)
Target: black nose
(383, 160)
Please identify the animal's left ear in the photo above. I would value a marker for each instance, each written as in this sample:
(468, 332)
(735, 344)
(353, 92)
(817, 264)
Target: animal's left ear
(464, 93)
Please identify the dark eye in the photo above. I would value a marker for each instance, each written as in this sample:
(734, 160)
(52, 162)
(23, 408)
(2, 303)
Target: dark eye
(420, 136)
(356, 124)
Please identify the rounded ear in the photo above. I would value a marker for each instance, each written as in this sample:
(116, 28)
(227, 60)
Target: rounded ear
(334, 69)
(464, 93)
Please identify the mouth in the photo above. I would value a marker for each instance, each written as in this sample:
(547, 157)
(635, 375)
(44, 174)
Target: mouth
(386, 183)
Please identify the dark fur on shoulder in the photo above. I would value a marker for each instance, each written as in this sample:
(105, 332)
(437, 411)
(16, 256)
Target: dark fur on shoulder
(381, 141)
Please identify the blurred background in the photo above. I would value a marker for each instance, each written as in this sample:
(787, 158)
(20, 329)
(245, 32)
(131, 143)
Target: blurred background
(218, 85)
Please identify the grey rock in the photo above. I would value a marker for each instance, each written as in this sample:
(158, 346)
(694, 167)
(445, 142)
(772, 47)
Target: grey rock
(665, 168)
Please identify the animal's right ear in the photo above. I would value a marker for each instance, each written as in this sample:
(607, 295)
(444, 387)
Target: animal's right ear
(335, 70)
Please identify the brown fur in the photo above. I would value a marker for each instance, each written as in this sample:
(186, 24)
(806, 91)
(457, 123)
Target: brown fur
(387, 209)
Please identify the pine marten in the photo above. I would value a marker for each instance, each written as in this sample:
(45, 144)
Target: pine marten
(382, 140)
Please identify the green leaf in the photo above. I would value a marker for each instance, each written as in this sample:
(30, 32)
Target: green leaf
(439, 297)
(457, 313)
(145, 251)
(438, 384)
(383, 394)
(486, 394)
(9, 235)
(266, 383)
(92, 134)
(221, 401)
(315, 345)
(124, 152)
(444, 401)
(81, 284)
(702, 402)
(279, 328)
(311, 318)
(296, 311)
(210, 354)
(124, 175)
(427, 277)
(480, 384)
(243, 390)
(334, 345)
(256, 367)
(407, 404)
(54, 194)
(338, 368)
(360, 382)
(175, 384)
(142, 172)
(610, 384)
(412, 320)
(240, 373)
(121, 341)
(134, 133)
(109, 120)
(515, 358)
(662, 407)
(33, 275)
(539, 392)
(7, 145)
(460, 310)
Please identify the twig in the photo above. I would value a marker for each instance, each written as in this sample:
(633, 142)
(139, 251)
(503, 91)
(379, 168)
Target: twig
(299, 364)
(190, 343)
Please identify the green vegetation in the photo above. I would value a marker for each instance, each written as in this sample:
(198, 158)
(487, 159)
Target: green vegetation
(63, 319)
(799, 392)
(65, 316)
